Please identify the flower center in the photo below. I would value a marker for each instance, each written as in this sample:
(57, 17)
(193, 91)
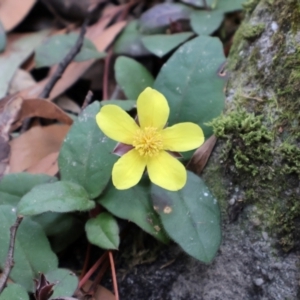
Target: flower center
(148, 141)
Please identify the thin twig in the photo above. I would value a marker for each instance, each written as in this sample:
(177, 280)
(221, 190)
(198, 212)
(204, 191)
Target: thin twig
(10, 255)
(106, 75)
(87, 100)
(113, 274)
(92, 270)
(66, 61)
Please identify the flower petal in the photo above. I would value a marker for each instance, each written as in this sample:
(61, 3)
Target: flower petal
(128, 170)
(182, 137)
(116, 124)
(166, 171)
(153, 109)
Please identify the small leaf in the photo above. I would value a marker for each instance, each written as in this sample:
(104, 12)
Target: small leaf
(60, 196)
(191, 217)
(65, 282)
(125, 104)
(206, 22)
(159, 17)
(11, 193)
(103, 231)
(228, 6)
(191, 83)
(129, 41)
(135, 205)
(86, 155)
(33, 253)
(162, 44)
(55, 48)
(14, 291)
(139, 78)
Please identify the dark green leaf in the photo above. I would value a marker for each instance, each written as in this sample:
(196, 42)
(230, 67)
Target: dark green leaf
(132, 76)
(191, 217)
(63, 229)
(65, 283)
(55, 48)
(135, 205)
(14, 292)
(125, 104)
(161, 44)
(206, 22)
(62, 196)
(159, 17)
(103, 231)
(86, 155)
(32, 249)
(129, 42)
(14, 186)
(191, 83)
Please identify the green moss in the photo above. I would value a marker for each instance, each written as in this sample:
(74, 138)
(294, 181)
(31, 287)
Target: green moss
(250, 5)
(251, 32)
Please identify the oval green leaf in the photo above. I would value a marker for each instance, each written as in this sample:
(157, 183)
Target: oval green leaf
(65, 281)
(11, 193)
(162, 44)
(55, 49)
(61, 196)
(86, 155)
(137, 81)
(33, 253)
(191, 217)
(135, 205)
(206, 22)
(103, 231)
(14, 291)
(191, 83)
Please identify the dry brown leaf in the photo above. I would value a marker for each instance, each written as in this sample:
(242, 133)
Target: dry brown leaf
(21, 80)
(44, 109)
(202, 154)
(68, 104)
(48, 165)
(8, 114)
(101, 293)
(34, 145)
(101, 37)
(12, 12)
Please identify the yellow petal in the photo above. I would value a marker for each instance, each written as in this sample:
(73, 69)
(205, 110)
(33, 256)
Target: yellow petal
(182, 137)
(116, 124)
(153, 109)
(166, 171)
(128, 170)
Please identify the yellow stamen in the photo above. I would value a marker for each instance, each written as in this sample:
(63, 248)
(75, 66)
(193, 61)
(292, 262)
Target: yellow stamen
(148, 141)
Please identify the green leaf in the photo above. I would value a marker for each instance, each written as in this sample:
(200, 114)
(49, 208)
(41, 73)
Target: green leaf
(63, 229)
(162, 44)
(125, 104)
(191, 217)
(55, 49)
(33, 253)
(190, 82)
(228, 6)
(65, 283)
(135, 205)
(20, 50)
(13, 292)
(103, 231)
(2, 37)
(132, 76)
(129, 41)
(159, 17)
(206, 22)
(11, 193)
(86, 155)
(60, 196)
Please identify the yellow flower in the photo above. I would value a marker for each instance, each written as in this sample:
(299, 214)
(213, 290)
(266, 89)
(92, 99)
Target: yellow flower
(150, 143)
